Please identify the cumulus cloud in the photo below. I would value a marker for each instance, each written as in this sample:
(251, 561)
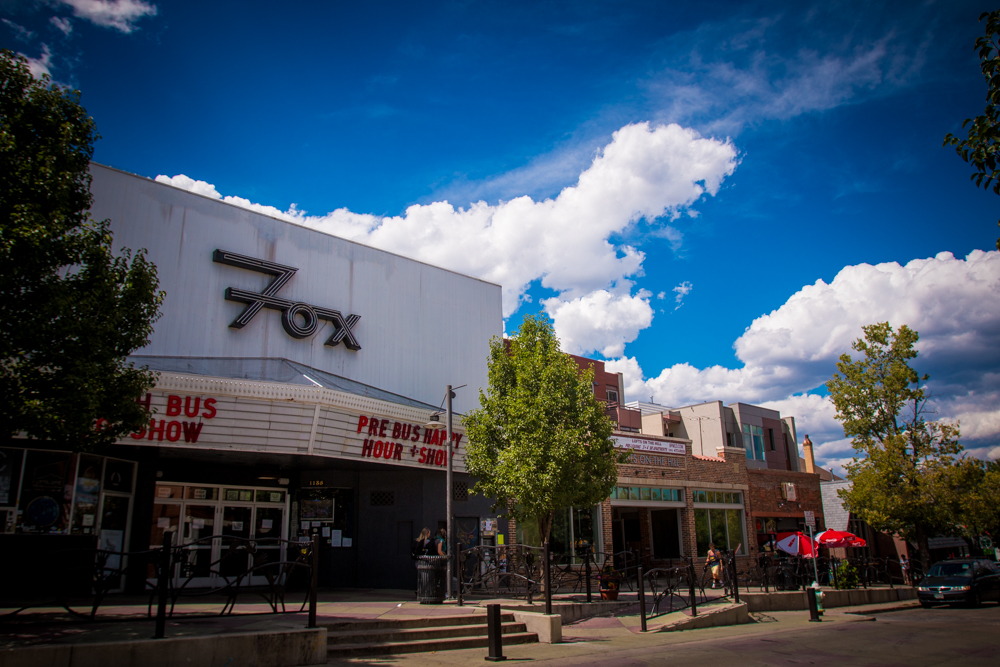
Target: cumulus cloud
(121, 15)
(953, 303)
(600, 321)
(646, 172)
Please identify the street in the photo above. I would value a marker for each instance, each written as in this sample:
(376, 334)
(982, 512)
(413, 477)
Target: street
(913, 637)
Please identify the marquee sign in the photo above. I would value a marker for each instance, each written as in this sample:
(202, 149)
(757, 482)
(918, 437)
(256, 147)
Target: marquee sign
(290, 309)
(649, 452)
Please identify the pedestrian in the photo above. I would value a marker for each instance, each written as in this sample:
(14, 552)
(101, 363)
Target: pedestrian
(442, 542)
(714, 562)
(904, 565)
(423, 546)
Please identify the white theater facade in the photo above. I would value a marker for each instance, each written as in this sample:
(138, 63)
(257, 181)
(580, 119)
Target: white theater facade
(297, 375)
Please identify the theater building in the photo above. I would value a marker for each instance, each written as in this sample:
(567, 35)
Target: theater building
(298, 373)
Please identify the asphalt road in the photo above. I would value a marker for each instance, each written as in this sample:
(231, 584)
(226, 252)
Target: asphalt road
(912, 637)
(938, 636)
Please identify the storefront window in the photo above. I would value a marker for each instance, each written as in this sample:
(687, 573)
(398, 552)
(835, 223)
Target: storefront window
(47, 493)
(571, 532)
(721, 525)
(88, 494)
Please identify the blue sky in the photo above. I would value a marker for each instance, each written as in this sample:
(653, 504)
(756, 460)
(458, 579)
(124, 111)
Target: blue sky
(806, 147)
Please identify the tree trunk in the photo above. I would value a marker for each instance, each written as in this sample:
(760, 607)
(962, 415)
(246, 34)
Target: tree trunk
(924, 549)
(545, 526)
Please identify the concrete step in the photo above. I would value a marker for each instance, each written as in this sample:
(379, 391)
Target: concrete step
(422, 646)
(405, 623)
(392, 635)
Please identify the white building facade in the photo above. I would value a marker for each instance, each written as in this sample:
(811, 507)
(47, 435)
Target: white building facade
(298, 372)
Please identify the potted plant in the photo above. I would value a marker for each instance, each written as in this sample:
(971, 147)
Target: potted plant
(610, 581)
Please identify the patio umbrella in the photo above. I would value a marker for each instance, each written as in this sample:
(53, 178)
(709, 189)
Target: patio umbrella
(834, 539)
(797, 544)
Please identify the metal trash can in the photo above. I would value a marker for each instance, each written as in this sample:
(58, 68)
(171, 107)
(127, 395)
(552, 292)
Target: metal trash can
(431, 574)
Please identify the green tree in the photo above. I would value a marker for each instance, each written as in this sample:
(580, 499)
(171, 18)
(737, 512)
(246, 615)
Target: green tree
(540, 440)
(980, 148)
(907, 476)
(70, 310)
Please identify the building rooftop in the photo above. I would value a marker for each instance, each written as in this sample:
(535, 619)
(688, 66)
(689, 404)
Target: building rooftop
(270, 369)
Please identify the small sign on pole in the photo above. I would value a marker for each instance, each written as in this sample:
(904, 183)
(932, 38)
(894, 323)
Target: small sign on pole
(810, 518)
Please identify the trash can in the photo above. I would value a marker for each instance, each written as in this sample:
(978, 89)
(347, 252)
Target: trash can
(431, 574)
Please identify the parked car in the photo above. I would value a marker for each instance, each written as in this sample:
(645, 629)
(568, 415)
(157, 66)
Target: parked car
(970, 580)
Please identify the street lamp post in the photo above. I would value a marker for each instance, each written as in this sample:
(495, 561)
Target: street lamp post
(451, 494)
(449, 484)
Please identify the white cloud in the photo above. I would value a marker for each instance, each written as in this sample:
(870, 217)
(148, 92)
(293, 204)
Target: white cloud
(646, 171)
(744, 70)
(661, 295)
(118, 14)
(600, 321)
(20, 32)
(953, 303)
(41, 65)
(63, 25)
(682, 291)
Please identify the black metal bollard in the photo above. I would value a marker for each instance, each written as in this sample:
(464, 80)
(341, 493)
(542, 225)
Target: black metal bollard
(458, 572)
(313, 580)
(813, 607)
(736, 579)
(161, 584)
(548, 579)
(691, 586)
(642, 601)
(586, 566)
(495, 632)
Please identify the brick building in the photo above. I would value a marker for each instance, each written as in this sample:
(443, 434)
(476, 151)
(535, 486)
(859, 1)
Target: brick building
(704, 473)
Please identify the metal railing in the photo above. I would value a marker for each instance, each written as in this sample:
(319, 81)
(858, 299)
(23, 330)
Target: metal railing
(170, 572)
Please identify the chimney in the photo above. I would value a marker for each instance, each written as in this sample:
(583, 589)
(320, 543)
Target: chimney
(807, 454)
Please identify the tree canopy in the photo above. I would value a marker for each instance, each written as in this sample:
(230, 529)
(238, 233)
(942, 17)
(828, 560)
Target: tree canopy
(70, 309)
(540, 440)
(909, 475)
(980, 148)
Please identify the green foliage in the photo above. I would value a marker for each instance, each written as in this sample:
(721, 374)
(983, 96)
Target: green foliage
(981, 147)
(908, 476)
(70, 311)
(847, 575)
(540, 440)
(870, 393)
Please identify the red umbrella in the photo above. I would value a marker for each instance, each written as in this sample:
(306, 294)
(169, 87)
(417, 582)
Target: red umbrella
(834, 539)
(797, 544)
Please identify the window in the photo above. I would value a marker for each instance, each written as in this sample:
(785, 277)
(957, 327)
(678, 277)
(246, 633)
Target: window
(718, 497)
(612, 396)
(723, 527)
(730, 440)
(753, 440)
(651, 494)
(461, 491)
(770, 437)
(383, 499)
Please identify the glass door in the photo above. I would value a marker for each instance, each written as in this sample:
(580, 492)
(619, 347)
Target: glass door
(198, 524)
(115, 513)
(267, 528)
(234, 555)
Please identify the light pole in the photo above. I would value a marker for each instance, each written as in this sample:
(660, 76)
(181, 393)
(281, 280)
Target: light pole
(449, 484)
(451, 495)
